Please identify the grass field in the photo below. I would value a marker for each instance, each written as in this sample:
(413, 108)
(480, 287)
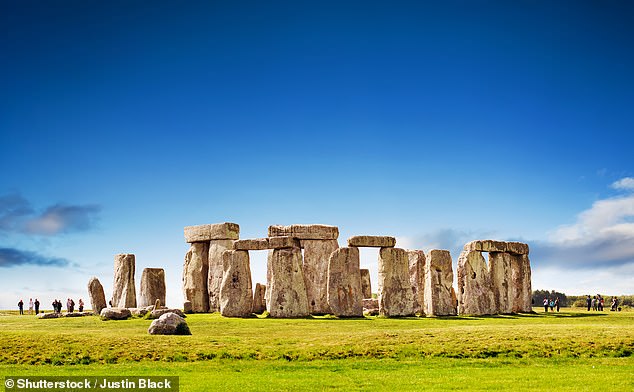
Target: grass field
(570, 350)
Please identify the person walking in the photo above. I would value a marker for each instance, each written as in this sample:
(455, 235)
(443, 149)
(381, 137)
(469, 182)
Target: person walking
(21, 307)
(37, 306)
(545, 303)
(589, 302)
(30, 305)
(557, 304)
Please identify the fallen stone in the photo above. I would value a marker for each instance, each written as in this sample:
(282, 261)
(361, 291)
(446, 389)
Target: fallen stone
(259, 301)
(286, 290)
(366, 284)
(96, 294)
(124, 291)
(49, 315)
(305, 232)
(216, 231)
(283, 242)
(74, 314)
(157, 313)
(395, 290)
(345, 297)
(417, 278)
(316, 257)
(236, 295)
(216, 271)
(195, 275)
(475, 296)
(115, 314)
(140, 312)
(371, 306)
(152, 287)
(169, 324)
(372, 241)
(251, 244)
(438, 284)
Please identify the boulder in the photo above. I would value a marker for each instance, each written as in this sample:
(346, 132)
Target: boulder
(195, 271)
(305, 232)
(372, 241)
(316, 257)
(366, 284)
(169, 324)
(283, 242)
(157, 313)
(345, 297)
(152, 286)
(438, 284)
(416, 260)
(259, 301)
(371, 306)
(286, 290)
(115, 314)
(96, 294)
(140, 312)
(123, 289)
(216, 270)
(216, 231)
(395, 290)
(251, 244)
(236, 295)
(75, 314)
(49, 315)
(475, 296)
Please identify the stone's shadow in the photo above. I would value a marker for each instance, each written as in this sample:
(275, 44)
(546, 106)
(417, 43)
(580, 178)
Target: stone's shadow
(571, 315)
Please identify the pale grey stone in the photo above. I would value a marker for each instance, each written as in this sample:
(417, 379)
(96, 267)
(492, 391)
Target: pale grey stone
(251, 244)
(216, 270)
(152, 286)
(366, 284)
(124, 291)
(236, 295)
(417, 278)
(521, 280)
(97, 296)
(501, 284)
(115, 314)
(286, 290)
(345, 297)
(259, 299)
(157, 313)
(475, 295)
(438, 284)
(316, 256)
(395, 290)
(371, 306)
(49, 315)
(216, 231)
(372, 241)
(195, 275)
(169, 324)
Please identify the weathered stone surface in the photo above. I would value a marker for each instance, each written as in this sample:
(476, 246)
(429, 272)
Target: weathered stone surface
(49, 315)
(152, 286)
(236, 295)
(195, 272)
(501, 284)
(216, 270)
(305, 232)
(76, 314)
(259, 301)
(366, 284)
(475, 296)
(157, 313)
(251, 244)
(438, 284)
(517, 248)
(496, 246)
(141, 311)
(417, 278)
(115, 314)
(521, 280)
(216, 231)
(97, 296)
(169, 324)
(286, 290)
(316, 256)
(372, 241)
(371, 306)
(187, 307)
(283, 242)
(344, 283)
(124, 291)
(395, 290)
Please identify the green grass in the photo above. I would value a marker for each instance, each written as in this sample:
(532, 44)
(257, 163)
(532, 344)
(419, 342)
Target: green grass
(565, 351)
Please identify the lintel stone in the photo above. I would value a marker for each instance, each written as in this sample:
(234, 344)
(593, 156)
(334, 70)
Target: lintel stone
(305, 232)
(216, 231)
(372, 241)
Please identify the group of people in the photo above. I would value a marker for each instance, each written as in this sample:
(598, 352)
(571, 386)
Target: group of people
(597, 302)
(57, 306)
(551, 303)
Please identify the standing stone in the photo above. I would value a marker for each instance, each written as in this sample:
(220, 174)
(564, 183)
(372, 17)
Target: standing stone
(97, 296)
(344, 283)
(187, 307)
(475, 296)
(366, 284)
(316, 257)
(438, 284)
(236, 295)
(395, 290)
(152, 286)
(286, 290)
(124, 292)
(417, 278)
(216, 271)
(501, 284)
(195, 271)
(259, 302)
(521, 280)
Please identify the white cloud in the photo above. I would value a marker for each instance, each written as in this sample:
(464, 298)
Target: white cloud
(626, 183)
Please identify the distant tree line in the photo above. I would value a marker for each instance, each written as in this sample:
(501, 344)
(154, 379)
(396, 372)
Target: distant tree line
(578, 301)
(539, 295)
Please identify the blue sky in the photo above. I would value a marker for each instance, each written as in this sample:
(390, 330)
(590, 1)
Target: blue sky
(438, 123)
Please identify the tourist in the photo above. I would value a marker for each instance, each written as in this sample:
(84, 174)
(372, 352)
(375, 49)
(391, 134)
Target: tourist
(30, 305)
(589, 302)
(601, 303)
(557, 303)
(37, 306)
(545, 305)
(21, 306)
(71, 305)
(594, 303)
(552, 305)
(81, 305)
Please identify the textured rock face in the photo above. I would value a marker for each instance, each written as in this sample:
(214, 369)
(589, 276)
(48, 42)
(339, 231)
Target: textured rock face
(316, 257)
(97, 296)
(157, 313)
(216, 231)
(115, 314)
(366, 284)
(371, 306)
(305, 232)
(372, 241)
(345, 297)
(395, 290)
(187, 307)
(475, 296)
(236, 295)
(169, 324)
(417, 278)
(195, 272)
(49, 315)
(251, 244)
(497, 246)
(501, 285)
(124, 292)
(216, 271)
(521, 281)
(283, 242)
(286, 290)
(438, 284)
(259, 302)
(152, 286)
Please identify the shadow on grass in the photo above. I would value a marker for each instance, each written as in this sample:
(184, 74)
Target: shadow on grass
(562, 315)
